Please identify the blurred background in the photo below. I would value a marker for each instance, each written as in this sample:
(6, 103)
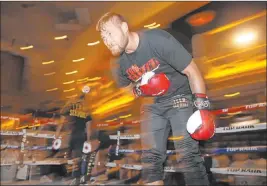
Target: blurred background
(50, 50)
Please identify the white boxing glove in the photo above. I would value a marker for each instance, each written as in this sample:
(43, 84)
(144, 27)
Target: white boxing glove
(87, 148)
(56, 144)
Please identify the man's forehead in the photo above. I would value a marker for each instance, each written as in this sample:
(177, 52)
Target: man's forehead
(107, 26)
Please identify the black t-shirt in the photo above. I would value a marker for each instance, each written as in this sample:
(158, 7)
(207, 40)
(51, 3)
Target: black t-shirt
(158, 51)
(79, 124)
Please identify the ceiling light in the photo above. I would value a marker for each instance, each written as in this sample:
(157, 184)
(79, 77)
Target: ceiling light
(94, 79)
(78, 60)
(245, 38)
(111, 120)
(232, 95)
(84, 79)
(48, 62)
(53, 89)
(81, 82)
(26, 48)
(156, 26)
(126, 116)
(68, 82)
(72, 89)
(73, 96)
(201, 18)
(61, 37)
(49, 74)
(94, 43)
(72, 72)
(152, 24)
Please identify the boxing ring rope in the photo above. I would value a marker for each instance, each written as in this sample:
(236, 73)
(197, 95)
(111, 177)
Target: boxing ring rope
(227, 170)
(214, 151)
(240, 108)
(215, 112)
(228, 150)
(233, 129)
(29, 134)
(37, 134)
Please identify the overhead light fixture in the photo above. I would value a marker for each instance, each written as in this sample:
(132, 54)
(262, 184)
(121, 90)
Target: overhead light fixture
(68, 82)
(78, 60)
(93, 43)
(48, 62)
(52, 89)
(26, 47)
(72, 72)
(81, 82)
(50, 74)
(84, 79)
(156, 26)
(232, 95)
(69, 90)
(245, 38)
(73, 96)
(152, 24)
(94, 79)
(126, 116)
(110, 120)
(61, 37)
(201, 18)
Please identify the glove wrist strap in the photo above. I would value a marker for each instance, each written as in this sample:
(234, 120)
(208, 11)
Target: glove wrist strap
(201, 101)
(137, 91)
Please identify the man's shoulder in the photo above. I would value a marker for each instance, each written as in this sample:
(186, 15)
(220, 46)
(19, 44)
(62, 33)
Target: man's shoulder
(155, 33)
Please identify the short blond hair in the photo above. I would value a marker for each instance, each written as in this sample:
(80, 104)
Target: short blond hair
(110, 16)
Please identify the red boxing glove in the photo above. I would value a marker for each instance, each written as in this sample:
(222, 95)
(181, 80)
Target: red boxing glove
(201, 124)
(152, 85)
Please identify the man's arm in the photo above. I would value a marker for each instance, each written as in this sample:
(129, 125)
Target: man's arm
(195, 78)
(129, 89)
(88, 130)
(60, 126)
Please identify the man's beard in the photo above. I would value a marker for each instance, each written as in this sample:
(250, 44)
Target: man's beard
(118, 51)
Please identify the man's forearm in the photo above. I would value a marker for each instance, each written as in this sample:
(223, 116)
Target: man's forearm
(129, 89)
(197, 84)
(195, 78)
(88, 130)
(59, 129)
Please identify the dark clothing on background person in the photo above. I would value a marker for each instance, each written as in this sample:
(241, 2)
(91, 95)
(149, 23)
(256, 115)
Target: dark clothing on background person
(77, 139)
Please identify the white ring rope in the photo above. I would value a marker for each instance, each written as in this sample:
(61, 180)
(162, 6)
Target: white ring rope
(30, 134)
(228, 170)
(260, 126)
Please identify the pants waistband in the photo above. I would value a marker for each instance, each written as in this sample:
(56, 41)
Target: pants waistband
(188, 96)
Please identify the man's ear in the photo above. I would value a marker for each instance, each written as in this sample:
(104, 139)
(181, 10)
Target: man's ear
(124, 27)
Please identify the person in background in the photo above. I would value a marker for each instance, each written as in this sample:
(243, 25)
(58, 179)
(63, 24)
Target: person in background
(80, 123)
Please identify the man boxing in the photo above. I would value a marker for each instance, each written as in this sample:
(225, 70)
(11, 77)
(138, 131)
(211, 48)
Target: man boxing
(152, 63)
